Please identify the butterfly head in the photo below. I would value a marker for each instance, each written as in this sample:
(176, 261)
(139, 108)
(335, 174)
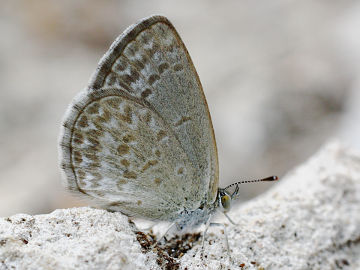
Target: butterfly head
(224, 200)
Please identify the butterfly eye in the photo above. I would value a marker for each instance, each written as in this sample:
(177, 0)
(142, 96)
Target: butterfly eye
(226, 202)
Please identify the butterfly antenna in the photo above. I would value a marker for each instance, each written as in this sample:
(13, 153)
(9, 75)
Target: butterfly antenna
(270, 178)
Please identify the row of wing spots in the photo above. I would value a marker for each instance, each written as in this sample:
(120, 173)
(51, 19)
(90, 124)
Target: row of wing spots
(134, 71)
(143, 61)
(109, 158)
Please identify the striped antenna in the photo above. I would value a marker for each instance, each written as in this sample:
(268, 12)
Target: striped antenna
(270, 178)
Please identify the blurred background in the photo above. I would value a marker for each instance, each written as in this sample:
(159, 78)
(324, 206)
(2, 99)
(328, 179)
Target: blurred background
(281, 78)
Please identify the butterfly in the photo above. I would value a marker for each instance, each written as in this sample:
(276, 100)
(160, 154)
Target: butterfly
(139, 139)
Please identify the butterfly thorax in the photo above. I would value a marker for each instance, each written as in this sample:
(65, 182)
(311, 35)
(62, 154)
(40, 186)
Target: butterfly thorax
(193, 218)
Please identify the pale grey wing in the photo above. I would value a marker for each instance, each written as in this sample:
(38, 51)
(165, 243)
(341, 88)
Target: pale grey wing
(121, 153)
(132, 162)
(150, 62)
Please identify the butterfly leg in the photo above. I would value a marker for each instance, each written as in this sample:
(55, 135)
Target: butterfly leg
(163, 235)
(231, 221)
(226, 237)
(227, 216)
(203, 237)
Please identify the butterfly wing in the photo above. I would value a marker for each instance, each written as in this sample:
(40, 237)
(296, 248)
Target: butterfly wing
(141, 134)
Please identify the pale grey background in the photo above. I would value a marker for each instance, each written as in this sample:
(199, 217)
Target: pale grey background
(280, 77)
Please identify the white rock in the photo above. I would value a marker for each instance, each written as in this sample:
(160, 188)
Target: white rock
(310, 220)
(78, 238)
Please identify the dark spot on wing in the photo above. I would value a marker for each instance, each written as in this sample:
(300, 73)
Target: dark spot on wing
(146, 93)
(153, 78)
(123, 149)
(162, 67)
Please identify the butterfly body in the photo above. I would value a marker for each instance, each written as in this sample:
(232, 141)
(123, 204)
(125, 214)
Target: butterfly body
(139, 139)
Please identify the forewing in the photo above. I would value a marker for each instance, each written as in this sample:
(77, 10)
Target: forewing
(147, 69)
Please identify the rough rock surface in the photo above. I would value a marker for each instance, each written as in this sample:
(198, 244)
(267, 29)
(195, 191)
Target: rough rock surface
(309, 220)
